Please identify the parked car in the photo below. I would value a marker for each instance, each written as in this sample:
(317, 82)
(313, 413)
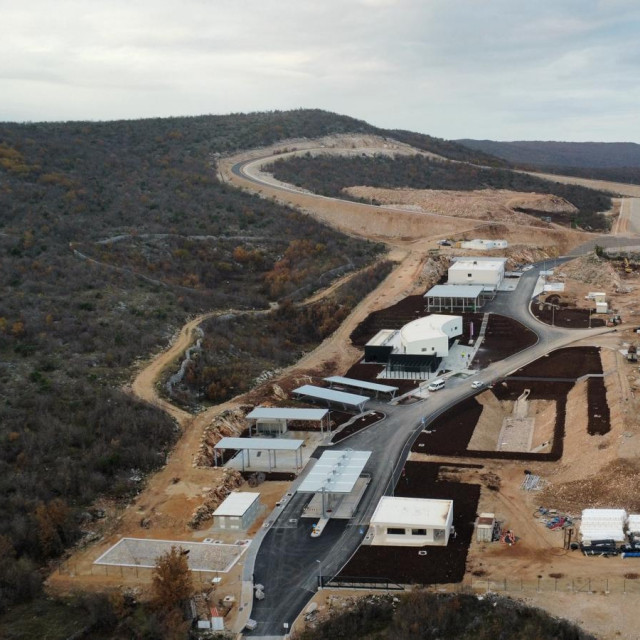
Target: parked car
(477, 384)
(436, 384)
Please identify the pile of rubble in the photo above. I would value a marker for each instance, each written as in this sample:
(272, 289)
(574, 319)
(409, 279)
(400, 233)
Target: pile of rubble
(591, 270)
(229, 424)
(231, 480)
(616, 484)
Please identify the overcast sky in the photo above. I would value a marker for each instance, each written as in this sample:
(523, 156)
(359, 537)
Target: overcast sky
(499, 69)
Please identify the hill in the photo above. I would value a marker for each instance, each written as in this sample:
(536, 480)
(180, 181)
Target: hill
(111, 235)
(603, 155)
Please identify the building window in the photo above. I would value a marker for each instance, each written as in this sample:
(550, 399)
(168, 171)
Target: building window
(424, 348)
(394, 531)
(469, 275)
(418, 532)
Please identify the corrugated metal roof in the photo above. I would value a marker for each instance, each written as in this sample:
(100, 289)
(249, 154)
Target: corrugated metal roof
(274, 413)
(331, 395)
(455, 291)
(361, 384)
(253, 444)
(335, 472)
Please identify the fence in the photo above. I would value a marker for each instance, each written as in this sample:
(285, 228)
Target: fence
(593, 585)
(131, 572)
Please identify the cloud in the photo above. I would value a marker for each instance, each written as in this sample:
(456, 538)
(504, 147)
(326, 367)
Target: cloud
(452, 68)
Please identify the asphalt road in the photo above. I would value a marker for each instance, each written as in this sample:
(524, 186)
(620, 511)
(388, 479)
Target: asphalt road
(289, 560)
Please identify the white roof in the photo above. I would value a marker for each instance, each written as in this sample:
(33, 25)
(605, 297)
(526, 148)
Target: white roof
(494, 264)
(455, 291)
(478, 259)
(335, 472)
(412, 511)
(381, 337)
(331, 395)
(236, 503)
(361, 384)
(252, 444)
(428, 327)
(274, 413)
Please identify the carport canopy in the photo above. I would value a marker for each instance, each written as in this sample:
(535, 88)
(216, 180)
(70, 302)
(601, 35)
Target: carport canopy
(364, 385)
(275, 415)
(350, 400)
(335, 472)
(261, 444)
(454, 296)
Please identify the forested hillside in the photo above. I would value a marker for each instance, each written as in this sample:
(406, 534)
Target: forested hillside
(111, 235)
(604, 155)
(613, 161)
(329, 176)
(430, 616)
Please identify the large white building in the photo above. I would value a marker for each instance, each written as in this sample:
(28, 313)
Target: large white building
(488, 272)
(412, 522)
(430, 335)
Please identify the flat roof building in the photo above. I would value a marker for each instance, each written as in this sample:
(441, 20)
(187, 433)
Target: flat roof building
(412, 522)
(488, 272)
(238, 510)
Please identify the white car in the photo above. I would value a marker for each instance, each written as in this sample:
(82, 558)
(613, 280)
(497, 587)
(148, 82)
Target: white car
(527, 268)
(477, 384)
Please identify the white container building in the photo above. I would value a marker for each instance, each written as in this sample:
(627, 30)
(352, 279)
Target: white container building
(412, 522)
(603, 524)
(488, 272)
(237, 511)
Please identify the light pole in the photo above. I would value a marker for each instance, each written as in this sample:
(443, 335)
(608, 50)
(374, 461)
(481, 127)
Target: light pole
(319, 574)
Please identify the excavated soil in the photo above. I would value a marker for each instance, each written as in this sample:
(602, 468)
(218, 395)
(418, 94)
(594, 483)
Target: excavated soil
(566, 317)
(440, 565)
(451, 433)
(569, 362)
(504, 337)
(495, 205)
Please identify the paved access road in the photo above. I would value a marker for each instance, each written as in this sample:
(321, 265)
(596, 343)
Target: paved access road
(287, 560)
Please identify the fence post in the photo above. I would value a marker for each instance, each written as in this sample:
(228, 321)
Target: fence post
(573, 588)
(538, 585)
(589, 585)
(555, 586)
(624, 585)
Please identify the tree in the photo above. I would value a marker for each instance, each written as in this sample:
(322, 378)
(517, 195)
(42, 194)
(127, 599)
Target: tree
(172, 583)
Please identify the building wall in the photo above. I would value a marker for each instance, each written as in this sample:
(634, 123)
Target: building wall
(475, 274)
(400, 535)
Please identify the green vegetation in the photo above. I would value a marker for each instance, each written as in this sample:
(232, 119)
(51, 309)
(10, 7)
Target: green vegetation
(111, 235)
(237, 348)
(329, 175)
(427, 616)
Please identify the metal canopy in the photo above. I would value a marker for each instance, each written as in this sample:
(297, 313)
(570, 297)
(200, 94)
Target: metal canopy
(261, 444)
(362, 384)
(320, 393)
(274, 413)
(253, 444)
(335, 472)
(454, 291)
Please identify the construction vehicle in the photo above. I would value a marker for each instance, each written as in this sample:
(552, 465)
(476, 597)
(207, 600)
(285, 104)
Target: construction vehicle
(627, 266)
(632, 353)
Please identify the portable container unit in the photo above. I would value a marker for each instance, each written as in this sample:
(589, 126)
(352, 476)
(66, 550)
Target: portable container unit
(603, 524)
(485, 523)
(238, 511)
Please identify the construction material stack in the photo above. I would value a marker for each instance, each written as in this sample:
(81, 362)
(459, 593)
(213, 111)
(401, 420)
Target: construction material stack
(603, 524)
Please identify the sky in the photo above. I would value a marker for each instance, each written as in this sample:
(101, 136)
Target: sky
(495, 69)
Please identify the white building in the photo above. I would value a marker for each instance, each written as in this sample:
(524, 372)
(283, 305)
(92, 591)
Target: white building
(484, 245)
(237, 511)
(430, 335)
(488, 272)
(412, 522)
